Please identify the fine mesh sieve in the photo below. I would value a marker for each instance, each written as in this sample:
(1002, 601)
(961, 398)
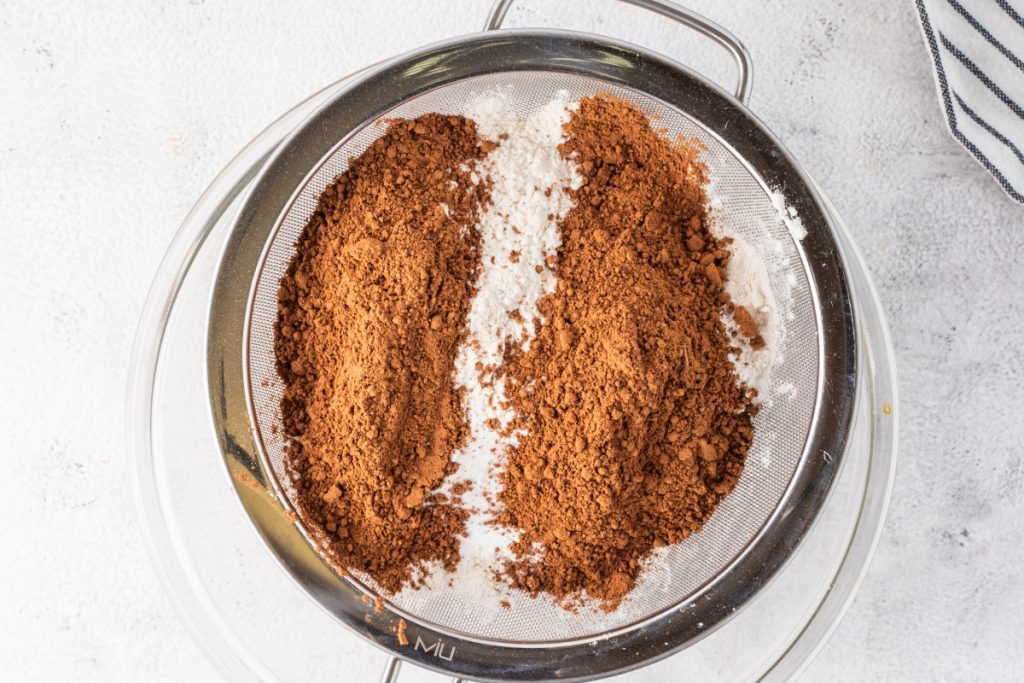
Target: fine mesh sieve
(780, 427)
(687, 589)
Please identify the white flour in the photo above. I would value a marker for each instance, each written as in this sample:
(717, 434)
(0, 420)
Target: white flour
(749, 282)
(788, 215)
(748, 285)
(519, 232)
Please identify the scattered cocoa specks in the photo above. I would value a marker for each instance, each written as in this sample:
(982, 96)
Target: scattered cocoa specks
(403, 640)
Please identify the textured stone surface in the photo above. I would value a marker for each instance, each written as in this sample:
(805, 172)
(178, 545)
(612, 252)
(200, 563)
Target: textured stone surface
(115, 116)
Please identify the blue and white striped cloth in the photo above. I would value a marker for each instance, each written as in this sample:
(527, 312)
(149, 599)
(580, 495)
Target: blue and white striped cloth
(978, 50)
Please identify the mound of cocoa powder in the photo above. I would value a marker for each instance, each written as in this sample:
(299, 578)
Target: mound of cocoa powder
(633, 424)
(371, 313)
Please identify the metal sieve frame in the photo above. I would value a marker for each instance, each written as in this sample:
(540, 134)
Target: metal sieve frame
(616, 62)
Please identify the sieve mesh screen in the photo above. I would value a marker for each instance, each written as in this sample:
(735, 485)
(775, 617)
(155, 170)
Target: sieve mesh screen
(675, 574)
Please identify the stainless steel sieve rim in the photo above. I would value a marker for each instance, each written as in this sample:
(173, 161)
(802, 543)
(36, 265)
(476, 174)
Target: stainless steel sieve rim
(578, 53)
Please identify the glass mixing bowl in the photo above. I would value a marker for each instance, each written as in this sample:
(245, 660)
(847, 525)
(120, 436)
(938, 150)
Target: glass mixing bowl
(255, 624)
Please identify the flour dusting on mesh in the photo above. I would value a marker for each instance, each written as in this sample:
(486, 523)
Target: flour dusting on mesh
(749, 278)
(749, 284)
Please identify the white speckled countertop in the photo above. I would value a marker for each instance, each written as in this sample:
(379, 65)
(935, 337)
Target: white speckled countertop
(114, 117)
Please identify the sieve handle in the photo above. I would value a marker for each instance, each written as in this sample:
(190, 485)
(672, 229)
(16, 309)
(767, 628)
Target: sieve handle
(393, 667)
(681, 15)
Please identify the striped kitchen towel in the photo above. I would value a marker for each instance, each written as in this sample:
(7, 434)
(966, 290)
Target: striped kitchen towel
(978, 50)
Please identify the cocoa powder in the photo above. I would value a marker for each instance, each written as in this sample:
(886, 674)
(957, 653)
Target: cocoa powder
(633, 425)
(371, 313)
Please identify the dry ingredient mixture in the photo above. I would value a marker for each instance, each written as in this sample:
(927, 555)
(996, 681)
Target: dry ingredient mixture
(514, 326)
